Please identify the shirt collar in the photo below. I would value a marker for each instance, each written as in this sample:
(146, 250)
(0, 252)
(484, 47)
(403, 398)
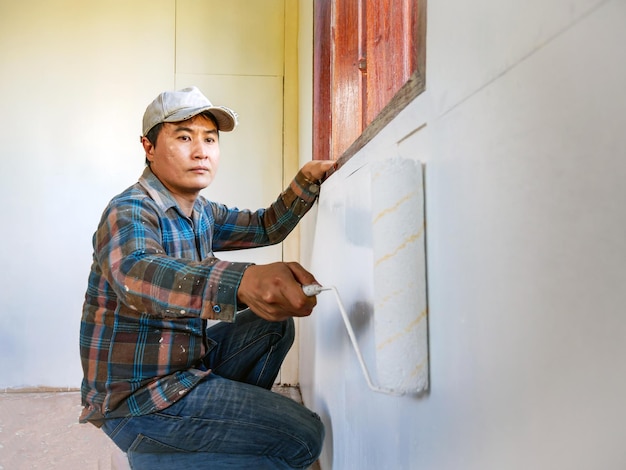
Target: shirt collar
(161, 195)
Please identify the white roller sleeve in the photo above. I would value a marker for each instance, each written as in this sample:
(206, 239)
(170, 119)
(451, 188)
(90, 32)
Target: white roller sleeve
(400, 311)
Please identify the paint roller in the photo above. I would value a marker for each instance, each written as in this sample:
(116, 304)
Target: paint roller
(400, 310)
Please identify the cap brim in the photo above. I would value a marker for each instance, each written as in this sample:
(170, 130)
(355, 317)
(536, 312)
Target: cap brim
(225, 117)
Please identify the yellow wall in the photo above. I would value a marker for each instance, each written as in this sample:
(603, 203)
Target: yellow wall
(77, 76)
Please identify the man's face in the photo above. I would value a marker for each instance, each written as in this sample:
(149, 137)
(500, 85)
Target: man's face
(186, 156)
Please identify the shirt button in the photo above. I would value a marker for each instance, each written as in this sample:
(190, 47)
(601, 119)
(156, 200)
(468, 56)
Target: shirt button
(217, 308)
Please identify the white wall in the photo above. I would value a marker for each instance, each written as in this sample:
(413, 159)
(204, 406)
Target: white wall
(524, 149)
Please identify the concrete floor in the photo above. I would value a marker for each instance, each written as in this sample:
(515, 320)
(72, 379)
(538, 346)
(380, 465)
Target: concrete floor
(41, 431)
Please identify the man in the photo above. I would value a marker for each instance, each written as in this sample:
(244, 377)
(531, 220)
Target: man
(169, 391)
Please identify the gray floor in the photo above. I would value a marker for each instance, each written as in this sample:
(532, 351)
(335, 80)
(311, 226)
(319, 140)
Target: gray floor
(41, 431)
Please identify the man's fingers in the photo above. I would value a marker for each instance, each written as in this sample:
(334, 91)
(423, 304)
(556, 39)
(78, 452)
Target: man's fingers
(301, 275)
(274, 291)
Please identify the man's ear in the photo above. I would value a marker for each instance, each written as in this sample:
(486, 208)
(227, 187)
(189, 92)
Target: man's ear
(148, 148)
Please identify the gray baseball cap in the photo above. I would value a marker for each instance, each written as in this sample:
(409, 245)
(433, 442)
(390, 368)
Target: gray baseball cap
(176, 106)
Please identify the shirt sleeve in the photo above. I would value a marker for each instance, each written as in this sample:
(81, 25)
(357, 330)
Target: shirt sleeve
(237, 229)
(128, 247)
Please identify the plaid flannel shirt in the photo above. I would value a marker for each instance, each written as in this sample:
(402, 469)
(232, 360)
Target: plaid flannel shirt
(153, 284)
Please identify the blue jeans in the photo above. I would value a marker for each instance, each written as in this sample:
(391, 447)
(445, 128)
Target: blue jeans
(230, 420)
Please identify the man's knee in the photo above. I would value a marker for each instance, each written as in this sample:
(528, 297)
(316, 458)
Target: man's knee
(289, 330)
(313, 434)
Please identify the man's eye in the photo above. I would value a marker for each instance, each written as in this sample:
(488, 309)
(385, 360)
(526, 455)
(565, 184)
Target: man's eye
(184, 137)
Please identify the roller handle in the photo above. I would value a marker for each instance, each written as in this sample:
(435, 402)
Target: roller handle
(313, 289)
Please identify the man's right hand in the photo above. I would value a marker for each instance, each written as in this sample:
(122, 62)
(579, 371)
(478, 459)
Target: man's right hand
(274, 291)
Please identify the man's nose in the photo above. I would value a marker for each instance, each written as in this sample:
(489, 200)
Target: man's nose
(200, 151)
